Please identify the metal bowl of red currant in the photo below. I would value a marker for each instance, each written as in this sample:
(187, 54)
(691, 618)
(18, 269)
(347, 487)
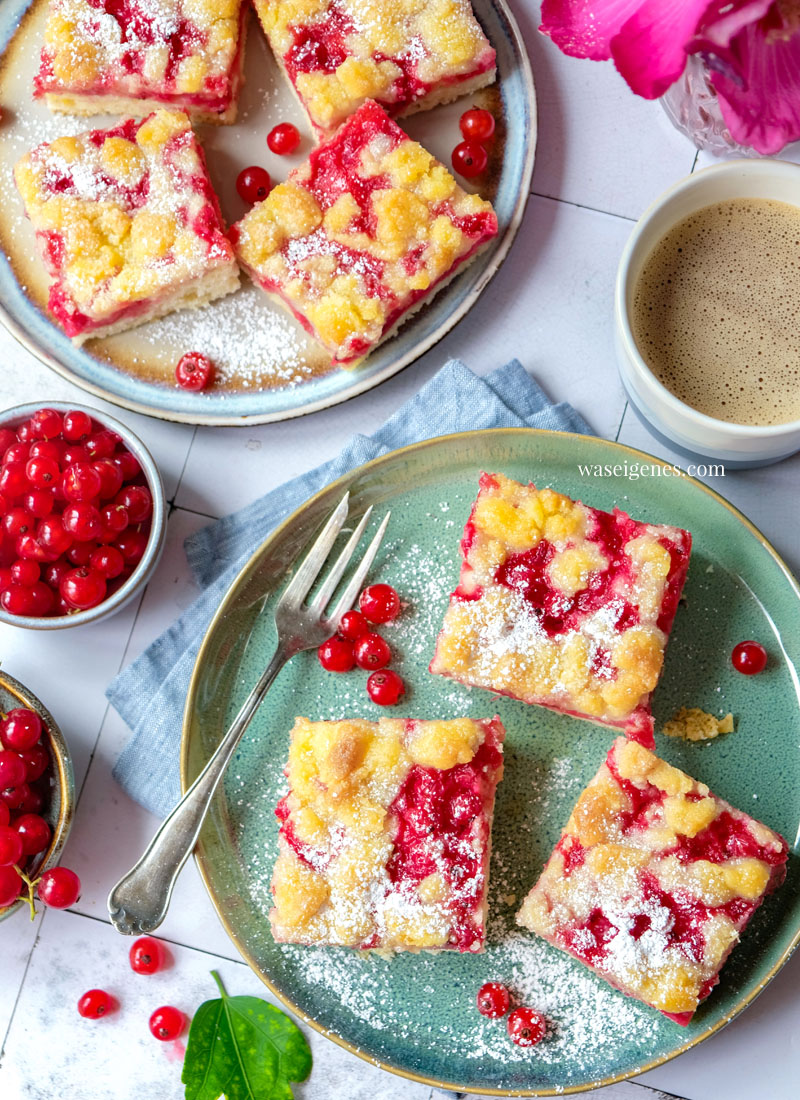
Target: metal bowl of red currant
(37, 797)
(82, 515)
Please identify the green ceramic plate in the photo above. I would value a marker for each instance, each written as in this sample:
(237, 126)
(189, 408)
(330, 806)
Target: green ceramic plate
(415, 1015)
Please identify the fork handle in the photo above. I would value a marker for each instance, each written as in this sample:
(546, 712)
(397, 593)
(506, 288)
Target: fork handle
(139, 901)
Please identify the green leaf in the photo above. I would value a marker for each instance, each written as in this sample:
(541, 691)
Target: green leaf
(243, 1049)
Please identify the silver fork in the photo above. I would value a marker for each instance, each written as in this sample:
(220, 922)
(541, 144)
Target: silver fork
(139, 901)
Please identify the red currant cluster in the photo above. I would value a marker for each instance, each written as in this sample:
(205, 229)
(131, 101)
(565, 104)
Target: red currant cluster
(24, 833)
(147, 956)
(75, 513)
(526, 1027)
(470, 156)
(356, 645)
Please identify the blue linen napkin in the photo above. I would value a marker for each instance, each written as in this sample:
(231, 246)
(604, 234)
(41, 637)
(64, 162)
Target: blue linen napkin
(150, 693)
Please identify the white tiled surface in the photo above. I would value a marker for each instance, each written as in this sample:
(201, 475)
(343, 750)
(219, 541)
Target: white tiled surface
(603, 156)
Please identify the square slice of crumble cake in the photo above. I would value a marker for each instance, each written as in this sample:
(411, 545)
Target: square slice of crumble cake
(127, 224)
(653, 881)
(385, 834)
(407, 55)
(362, 234)
(131, 57)
(563, 605)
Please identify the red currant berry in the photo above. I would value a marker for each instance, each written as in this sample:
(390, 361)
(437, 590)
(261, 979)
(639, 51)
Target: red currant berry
(39, 502)
(477, 125)
(100, 444)
(13, 480)
(526, 1027)
(59, 888)
(385, 687)
(132, 545)
(283, 139)
(31, 549)
(35, 761)
(18, 600)
(82, 521)
(115, 518)
(10, 886)
(253, 184)
(469, 159)
(16, 797)
(167, 1023)
(7, 439)
(51, 535)
(26, 572)
(43, 599)
(372, 652)
(80, 553)
(5, 814)
(56, 571)
(71, 455)
(20, 729)
(380, 603)
(352, 625)
(128, 465)
(83, 588)
(12, 769)
(42, 473)
(493, 998)
(25, 432)
(77, 424)
(18, 522)
(110, 478)
(34, 833)
(749, 658)
(46, 424)
(194, 371)
(95, 1003)
(336, 654)
(147, 955)
(81, 481)
(11, 847)
(31, 802)
(107, 561)
(136, 501)
(17, 453)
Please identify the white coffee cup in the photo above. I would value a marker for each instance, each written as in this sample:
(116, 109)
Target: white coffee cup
(675, 422)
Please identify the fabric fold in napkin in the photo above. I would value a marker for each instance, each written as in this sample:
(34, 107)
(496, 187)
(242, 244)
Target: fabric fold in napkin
(150, 694)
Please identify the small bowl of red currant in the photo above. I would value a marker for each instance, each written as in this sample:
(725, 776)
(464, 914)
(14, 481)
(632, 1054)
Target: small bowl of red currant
(82, 516)
(37, 797)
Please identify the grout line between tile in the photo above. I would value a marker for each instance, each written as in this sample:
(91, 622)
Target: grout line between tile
(656, 1094)
(179, 482)
(21, 984)
(582, 206)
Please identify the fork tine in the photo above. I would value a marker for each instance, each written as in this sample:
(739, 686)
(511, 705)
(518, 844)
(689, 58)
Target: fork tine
(357, 580)
(298, 588)
(335, 575)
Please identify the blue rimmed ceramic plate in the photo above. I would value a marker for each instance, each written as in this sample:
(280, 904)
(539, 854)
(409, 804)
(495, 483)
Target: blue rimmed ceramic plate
(416, 1015)
(267, 368)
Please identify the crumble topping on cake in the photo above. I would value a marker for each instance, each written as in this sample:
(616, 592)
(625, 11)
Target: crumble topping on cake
(385, 831)
(406, 54)
(652, 881)
(694, 724)
(104, 55)
(127, 224)
(562, 604)
(359, 235)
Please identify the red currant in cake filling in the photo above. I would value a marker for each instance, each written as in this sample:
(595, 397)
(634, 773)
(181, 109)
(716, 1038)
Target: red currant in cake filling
(372, 652)
(95, 1003)
(477, 125)
(194, 371)
(59, 888)
(253, 184)
(283, 139)
(469, 159)
(167, 1023)
(493, 1000)
(336, 655)
(380, 603)
(352, 625)
(749, 658)
(526, 1027)
(385, 687)
(147, 955)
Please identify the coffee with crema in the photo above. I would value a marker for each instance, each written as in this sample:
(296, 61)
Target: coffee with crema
(716, 311)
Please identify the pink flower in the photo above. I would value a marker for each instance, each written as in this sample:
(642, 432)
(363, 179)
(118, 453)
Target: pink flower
(752, 48)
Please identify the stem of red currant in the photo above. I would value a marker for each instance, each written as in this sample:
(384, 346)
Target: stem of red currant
(31, 885)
